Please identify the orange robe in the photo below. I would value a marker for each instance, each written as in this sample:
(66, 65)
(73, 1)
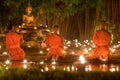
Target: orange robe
(13, 46)
(101, 39)
(17, 64)
(54, 41)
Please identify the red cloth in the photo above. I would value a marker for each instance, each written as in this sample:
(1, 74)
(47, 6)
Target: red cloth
(100, 51)
(13, 46)
(101, 39)
(55, 42)
(17, 64)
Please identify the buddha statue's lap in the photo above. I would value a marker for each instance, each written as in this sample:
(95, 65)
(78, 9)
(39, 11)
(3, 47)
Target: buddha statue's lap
(28, 21)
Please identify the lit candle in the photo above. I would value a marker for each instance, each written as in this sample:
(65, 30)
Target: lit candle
(35, 28)
(42, 62)
(88, 68)
(5, 53)
(73, 52)
(25, 66)
(82, 59)
(68, 68)
(7, 62)
(29, 46)
(41, 52)
(53, 67)
(73, 68)
(53, 62)
(24, 61)
(46, 68)
(0, 46)
(42, 70)
(48, 49)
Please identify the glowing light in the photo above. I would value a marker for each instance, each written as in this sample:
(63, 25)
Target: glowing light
(69, 45)
(7, 62)
(64, 51)
(7, 68)
(42, 62)
(48, 49)
(0, 46)
(73, 52)
(82, 59)
(111, 41)
(76, 69)
(117, 69)
(90, 49)
(20, 26)
(79, 44)
(41, 52)
(88, 68)
(91, 41)
(88, 43)
(76, 40)
(24, 61)
(68, 68)
(65, 47)
(40, 24)
(86, 51)
(5, 53)
(23, 24)
(118, 41)
(47, 30)
(53, 67)
(104, 67)
(118, 46)
(42, 70)
(29, 46)
(25, 66)
(114, 46)
(73, 68)
(84, 45)
(93, 46)
(46, 68)
(53, 62)
(64, 68)
(87, 40)
(35, 28)
(104, 59)
(76, 45)
(68, 42)
(46, 26)
(65, 40)
(114, 68)
(112, 50)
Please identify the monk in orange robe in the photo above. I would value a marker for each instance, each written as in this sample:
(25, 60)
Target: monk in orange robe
(101, 39)
(55, 43)
(13, 40)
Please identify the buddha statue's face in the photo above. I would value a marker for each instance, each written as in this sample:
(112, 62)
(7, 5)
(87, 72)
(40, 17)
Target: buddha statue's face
(41, 12)
(29, 10)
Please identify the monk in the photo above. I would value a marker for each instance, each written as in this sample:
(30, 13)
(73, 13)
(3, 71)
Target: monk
(101, 39)
(13, 40)
(55, 43)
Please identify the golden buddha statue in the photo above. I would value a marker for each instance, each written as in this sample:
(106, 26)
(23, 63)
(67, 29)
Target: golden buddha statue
(28, 19)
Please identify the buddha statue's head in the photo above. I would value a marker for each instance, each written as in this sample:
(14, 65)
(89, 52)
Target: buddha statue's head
(28, 9)
(41, 12)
